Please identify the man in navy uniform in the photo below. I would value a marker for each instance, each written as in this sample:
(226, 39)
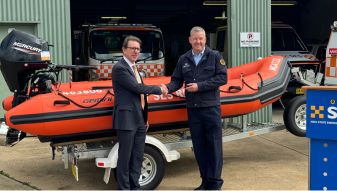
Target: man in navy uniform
(130, 114)
(203, 70)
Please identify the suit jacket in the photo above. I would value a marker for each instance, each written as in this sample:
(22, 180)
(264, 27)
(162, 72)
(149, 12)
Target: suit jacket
(128, 113)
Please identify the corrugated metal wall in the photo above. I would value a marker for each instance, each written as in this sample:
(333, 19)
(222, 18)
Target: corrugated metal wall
(249, 16)
(52, 18)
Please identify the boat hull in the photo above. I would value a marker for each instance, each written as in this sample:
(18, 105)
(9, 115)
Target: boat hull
(85, 108)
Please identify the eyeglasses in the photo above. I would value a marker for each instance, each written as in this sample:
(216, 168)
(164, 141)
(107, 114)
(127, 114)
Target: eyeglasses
(135, 49)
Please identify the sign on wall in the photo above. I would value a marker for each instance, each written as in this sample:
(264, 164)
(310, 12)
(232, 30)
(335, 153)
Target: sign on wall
(250, 39)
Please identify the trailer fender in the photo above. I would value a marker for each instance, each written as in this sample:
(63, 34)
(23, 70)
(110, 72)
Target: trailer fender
(109, 162)
(168, 155)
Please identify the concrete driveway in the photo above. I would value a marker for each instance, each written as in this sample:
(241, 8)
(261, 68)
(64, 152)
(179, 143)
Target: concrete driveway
(276, 160)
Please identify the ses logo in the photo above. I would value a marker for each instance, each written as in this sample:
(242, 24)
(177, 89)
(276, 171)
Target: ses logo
(324, 115)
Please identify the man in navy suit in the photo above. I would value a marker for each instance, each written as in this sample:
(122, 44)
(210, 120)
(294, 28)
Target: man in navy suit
(130, 114)
(203, 70)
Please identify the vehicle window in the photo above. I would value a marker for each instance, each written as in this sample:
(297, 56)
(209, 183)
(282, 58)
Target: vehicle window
(286, 39)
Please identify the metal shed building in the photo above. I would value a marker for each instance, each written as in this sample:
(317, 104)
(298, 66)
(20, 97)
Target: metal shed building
(51, 20)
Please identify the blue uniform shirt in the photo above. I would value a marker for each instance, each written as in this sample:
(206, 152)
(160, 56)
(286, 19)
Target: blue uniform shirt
(197, 57)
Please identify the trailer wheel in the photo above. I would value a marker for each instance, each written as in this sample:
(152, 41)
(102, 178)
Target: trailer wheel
(153, 169)
(294, 116)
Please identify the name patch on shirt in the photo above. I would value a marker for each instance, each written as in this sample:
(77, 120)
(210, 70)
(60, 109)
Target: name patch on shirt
(186, 65)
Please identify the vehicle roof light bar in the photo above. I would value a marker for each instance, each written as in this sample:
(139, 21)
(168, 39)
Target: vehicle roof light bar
(113, 17)
(273, 3)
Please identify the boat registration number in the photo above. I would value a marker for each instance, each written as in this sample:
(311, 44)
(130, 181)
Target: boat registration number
(299, 91)
(82, 92)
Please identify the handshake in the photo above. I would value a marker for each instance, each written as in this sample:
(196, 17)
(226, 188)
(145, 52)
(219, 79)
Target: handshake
(190, 87)
(164, 90)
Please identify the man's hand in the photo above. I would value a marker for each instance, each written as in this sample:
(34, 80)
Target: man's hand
(164, 89)
(191, 87)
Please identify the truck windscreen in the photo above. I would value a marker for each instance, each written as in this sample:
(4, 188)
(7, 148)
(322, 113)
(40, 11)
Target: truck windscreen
(107, 44)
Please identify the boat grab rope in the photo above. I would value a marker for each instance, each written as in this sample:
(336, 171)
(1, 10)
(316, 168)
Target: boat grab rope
(83, 106)
(261, 80)
(239, 88)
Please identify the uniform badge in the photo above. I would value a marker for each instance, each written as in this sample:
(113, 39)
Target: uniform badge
(186, 65)
(222, 61)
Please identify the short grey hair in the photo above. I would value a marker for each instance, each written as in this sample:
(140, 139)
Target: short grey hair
(197, 29)
(131, 38)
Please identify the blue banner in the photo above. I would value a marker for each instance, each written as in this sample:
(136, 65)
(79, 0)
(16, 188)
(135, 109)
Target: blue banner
(322, 114)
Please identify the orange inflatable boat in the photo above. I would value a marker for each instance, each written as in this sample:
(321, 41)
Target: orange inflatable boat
(72, 111)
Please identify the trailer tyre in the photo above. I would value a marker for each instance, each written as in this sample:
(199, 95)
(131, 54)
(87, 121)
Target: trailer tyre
(153, 169)
(294, 116)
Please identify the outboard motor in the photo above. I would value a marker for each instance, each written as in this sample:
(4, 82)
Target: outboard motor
(21, 54)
